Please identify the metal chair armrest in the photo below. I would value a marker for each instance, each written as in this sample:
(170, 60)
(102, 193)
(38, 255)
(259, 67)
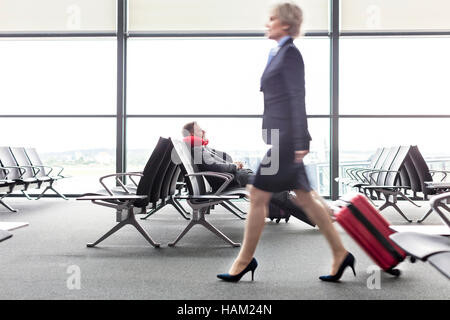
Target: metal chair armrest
(59, 173)
(6, 170)
(444, 172)
(17, 167)
(33, 167)
(434, 203)
(117, 175)
(50, 171)
(228, 177)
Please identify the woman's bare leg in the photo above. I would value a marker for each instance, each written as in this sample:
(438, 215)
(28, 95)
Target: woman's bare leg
(318, 212)
(254, 225)
(325, 205)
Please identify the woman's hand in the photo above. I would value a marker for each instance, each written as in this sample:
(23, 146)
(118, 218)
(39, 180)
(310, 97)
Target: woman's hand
(299, 155)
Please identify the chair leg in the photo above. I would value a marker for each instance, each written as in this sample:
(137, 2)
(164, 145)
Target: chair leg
(188, 227)
(180, 206)
(7, 206)
(42, 193)
(235, 206)
(217, 232)
(400, 212)
(144, 233)
(54, 190)
(384, 206)
(425, 216)
(180, 210)
(58, 193)
(393, 204)
(109, 233)
(152, 212)
(371, 201)
(198, 217)
(408, 199)
(26, 195)
(443, 205)
(223, 204)
(129, 220)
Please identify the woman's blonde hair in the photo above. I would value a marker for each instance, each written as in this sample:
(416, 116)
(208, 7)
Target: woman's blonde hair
(289, 14)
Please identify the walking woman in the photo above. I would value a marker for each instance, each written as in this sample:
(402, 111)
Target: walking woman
(282, 168)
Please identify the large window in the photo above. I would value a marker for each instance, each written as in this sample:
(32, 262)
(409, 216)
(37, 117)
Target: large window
(394, 75)
(57, 15)
(74, 72)
(429, 135)
(395, 15)
(239, 137)
(44, 81)
(58, 76)
(85, 147)
(214, 76)
(216, 15)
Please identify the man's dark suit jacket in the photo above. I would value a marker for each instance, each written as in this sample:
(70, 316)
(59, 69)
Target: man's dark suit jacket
(218, 161)
(283, 85)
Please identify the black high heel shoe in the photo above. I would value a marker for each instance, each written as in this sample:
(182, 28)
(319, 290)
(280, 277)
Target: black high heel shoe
(349, 261)
(229, 278)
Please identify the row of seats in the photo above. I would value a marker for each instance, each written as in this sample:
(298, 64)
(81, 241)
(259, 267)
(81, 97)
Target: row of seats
(171, 159)
(434, 249)
(21, 169)
(157, 187)
(395, 172)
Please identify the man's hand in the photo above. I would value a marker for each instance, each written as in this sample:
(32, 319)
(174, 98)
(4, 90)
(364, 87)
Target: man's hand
(239, 164)
(299, 155)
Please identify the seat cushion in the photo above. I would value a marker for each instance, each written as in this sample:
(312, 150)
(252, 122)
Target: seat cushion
(240, 191)
(421, 245)
(441, 261)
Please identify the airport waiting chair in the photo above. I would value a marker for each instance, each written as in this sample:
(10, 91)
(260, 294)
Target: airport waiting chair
(423, 177)
(126, 203)
(159, 195)
(200, 199)
(23, 161)
(31, 172)
(169, 191)
(242, 192)
(387, 181)
(351, 173)
(23, 177)
(44, 172)
(165, 194)
(432, 248)
(359, 174)
(6, 187)
(5, 235)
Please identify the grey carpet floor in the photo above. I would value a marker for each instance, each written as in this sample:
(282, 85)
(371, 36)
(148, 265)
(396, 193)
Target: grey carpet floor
(39, 261)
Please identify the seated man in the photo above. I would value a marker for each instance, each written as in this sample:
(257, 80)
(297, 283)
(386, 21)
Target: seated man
(208, 159)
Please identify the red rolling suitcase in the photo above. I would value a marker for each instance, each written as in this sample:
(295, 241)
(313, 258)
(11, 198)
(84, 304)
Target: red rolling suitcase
(371, 231)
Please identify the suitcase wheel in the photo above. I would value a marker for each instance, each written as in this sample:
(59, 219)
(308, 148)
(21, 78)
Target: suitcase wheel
(412, 259)
(271, 219)
(278, 220)
(394, 272)
(287, 219)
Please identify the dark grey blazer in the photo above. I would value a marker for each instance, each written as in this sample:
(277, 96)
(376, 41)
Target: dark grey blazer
(219, 161)
(283, 85)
